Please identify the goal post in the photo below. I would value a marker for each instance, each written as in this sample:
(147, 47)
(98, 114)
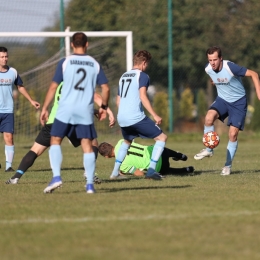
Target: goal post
(67, 34)
(35, 55)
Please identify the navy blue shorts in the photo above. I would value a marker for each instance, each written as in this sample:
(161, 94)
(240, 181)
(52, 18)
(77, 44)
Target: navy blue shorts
(7, 123)
(44, 137)
(61, 130)
(235, 111)
(146, 128)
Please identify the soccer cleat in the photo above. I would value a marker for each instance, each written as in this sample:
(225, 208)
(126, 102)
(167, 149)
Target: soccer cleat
(154, 176)
(90, 189)
(96, 179)
(202, 154)
(10, 169)
(190, 169)
(118, 177)
(226, 171)
(183, 157)
(55, 183)
(12, 181)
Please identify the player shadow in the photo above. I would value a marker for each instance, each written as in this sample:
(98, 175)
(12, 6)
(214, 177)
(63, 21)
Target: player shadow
(108, 190)
(111, 190)
(244, 172)
(62, 169)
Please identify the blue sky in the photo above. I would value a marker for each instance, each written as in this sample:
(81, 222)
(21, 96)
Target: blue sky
(28, 15)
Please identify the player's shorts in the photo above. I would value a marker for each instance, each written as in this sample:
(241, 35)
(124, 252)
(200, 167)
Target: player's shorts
(7, 123)
(61, 130)
(146, 128)
(235, 111)
(44, 137)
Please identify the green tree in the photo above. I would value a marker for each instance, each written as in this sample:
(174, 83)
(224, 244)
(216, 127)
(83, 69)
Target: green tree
(202, 105)
(186, 104)
(160, 104)
(255, 122)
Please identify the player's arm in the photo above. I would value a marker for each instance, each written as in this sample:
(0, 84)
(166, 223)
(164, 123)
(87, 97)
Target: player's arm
(146, 103)
(98, 101)
(255, 78)
(24, 92)
(48, 99)
(105, 97)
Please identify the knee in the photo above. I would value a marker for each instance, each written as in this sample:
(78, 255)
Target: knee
(162, 137)
(209, 120)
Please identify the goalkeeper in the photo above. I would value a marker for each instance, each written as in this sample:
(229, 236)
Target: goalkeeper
(42, 141)
(138, 159)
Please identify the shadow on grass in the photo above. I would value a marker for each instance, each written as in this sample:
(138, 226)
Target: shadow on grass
(62, 169)
(143, 188)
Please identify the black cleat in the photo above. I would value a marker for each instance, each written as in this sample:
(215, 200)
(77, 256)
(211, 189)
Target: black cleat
(182, 157)
(10, 169)
(154, 176)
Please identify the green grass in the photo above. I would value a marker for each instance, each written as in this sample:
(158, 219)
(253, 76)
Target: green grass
(206, 216)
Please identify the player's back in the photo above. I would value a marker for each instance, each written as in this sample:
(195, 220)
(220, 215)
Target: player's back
(79, 82)
(130, 110)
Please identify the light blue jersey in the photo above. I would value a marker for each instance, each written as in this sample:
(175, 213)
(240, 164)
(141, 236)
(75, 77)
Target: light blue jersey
(8, 80)
(227, 81)
(80, 75)
(130, 109)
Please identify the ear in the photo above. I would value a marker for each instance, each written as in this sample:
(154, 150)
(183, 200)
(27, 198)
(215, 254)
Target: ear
(87, 45)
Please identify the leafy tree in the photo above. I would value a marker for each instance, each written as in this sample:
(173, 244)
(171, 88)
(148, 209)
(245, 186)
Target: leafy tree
(186, 104)
(160, 104)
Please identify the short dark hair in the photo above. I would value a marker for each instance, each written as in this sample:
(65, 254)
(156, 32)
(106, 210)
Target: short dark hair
(3, 49)
(105, 149)
(213, 49)
(79, 39)
(141, 56)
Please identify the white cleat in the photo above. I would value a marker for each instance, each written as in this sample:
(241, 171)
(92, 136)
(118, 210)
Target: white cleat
(202, 154)
(12, 181)
(225, 171)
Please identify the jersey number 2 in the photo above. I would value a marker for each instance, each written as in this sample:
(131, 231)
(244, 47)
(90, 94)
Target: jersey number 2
(77, 87)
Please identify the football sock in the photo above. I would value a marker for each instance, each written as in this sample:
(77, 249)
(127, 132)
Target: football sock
(231, 151)
(206, 130)
(95, 150)
(55, 156)
(157, 152)
(89, 162)
(9, 155)
(119, 158)
(17, 175)
(27, 162)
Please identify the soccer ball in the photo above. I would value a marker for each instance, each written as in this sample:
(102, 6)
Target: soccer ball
(211, 139)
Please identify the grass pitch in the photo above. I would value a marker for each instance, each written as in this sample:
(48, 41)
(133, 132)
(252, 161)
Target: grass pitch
(205, 216)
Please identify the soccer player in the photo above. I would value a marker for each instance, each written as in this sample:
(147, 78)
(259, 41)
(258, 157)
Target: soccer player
(80, 74)
(42, 141)
(138, 159)
(231, 101)
(9, 78)
(132, 96)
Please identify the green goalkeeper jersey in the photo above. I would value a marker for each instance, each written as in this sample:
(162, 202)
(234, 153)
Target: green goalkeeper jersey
(138, 157)
(55, 105)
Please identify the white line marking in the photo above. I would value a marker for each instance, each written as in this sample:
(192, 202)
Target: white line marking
(128, 218)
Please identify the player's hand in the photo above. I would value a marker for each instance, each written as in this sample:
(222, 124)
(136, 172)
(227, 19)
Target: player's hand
(35, 104)
(96, 113)
(111, 118)
(44, 117)
(157, 119)
(102, 114)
